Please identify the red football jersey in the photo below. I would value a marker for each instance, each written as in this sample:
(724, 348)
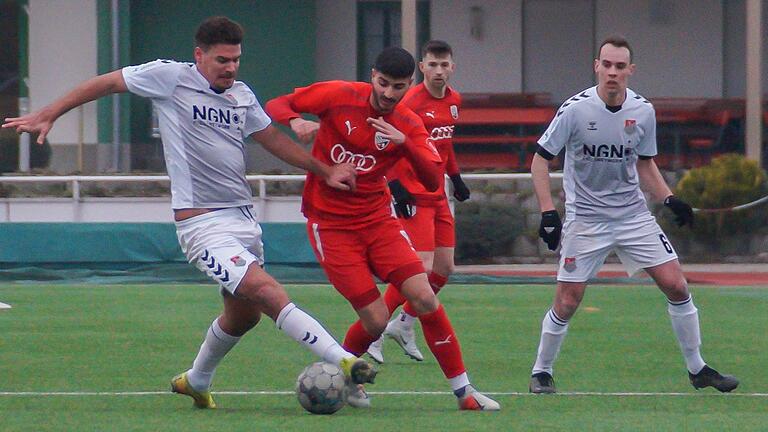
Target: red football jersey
(345, 136)
(439, 117)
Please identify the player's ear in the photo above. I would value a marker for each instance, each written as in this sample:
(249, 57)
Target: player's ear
(597, 63)
(198, 54)
(631, 68)
(421, 66)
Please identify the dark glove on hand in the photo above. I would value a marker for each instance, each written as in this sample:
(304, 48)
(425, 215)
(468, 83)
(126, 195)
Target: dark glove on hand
(460, 190)
(403, 199)
(683, 212)
(550, 228)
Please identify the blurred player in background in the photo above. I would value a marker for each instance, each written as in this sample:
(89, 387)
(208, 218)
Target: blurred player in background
(354, 233)
(609, 134)
(425, 215)
(205, 115)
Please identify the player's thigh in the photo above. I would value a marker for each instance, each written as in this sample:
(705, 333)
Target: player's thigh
(584, 247)
(343, 256)
(445, 227)
(641, 244)
(421, 228)
(222, 244)
(390, 253)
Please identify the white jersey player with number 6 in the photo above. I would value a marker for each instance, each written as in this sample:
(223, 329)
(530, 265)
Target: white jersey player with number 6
(609, 135)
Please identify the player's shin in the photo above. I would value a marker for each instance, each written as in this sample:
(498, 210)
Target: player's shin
(442, 341)
(685, 323)
(309, 333)
(215, 346)
(358, 339)
(553, 331)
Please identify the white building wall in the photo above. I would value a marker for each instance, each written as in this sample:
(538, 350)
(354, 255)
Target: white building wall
(678, 45)
(492, 63)
(62, 53)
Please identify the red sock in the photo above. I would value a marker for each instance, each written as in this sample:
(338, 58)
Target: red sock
(442, 341)
(436, 281)
(357, 339)
(393, 298)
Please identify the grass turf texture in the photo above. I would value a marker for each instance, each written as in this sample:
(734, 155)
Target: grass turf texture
(135, 338)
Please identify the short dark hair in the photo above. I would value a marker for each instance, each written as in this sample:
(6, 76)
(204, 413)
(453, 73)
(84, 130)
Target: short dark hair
(395, 62)
(437, 48)
(218, 30)
(617, 41)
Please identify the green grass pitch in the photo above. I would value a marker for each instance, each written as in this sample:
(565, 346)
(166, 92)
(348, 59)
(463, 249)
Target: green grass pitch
(111, 350)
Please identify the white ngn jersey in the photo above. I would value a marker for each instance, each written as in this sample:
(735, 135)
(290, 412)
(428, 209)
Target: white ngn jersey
(202, 132)
(601, 152)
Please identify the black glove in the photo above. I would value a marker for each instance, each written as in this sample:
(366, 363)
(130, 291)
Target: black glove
(460, 190)
(403, 199)
(683, 212)
(550, 228)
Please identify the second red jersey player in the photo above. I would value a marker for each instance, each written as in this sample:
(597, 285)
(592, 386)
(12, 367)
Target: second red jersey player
(353, 233)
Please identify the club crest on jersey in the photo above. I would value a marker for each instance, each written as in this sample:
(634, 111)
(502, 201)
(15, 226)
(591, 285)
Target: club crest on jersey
(629, 125)
(592, 126)
(455, 112)
(380, 141)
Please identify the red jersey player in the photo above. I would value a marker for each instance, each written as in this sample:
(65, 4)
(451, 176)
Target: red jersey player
(425, 215)
(353, 233)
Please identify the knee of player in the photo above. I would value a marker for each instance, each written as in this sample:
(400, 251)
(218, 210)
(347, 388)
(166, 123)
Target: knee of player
(425, 302)
(676, 290)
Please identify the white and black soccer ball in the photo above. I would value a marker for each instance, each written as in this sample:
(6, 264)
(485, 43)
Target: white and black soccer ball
(321, 388)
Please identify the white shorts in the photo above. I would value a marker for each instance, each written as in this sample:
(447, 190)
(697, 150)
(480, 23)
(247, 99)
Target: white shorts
(639, 243)
(222, 244)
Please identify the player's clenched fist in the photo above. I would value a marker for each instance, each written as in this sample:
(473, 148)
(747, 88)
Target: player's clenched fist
(305, 130)
(550, 228)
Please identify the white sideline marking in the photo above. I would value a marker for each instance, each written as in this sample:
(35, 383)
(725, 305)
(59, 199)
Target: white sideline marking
(4, 305)
(381, 393)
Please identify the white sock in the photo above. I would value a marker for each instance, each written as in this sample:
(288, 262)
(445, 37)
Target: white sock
(685, 323)
(459, 382)
(405, 321)
(215, 346)
(553, 330)
(308, 332)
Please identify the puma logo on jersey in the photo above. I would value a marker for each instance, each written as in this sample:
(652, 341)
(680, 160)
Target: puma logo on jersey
(444, 342)
(350, 128)
(430, 114)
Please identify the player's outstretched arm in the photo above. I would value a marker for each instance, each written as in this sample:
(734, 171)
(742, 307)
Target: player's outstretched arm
(40, 122)
(340, 176)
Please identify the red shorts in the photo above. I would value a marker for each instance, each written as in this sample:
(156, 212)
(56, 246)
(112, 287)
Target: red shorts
(430, 227)
(352, 257)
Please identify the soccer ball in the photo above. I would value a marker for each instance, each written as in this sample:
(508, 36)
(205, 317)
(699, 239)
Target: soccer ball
(321, 388)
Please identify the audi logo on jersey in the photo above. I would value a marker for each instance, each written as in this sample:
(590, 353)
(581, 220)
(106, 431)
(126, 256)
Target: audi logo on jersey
(443, 132)
(362, 162)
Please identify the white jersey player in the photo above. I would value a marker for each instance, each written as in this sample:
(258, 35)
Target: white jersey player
(205, 115)
(609, 135)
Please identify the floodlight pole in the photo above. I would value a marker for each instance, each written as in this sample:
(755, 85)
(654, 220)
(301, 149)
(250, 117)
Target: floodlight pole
(754, 114)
